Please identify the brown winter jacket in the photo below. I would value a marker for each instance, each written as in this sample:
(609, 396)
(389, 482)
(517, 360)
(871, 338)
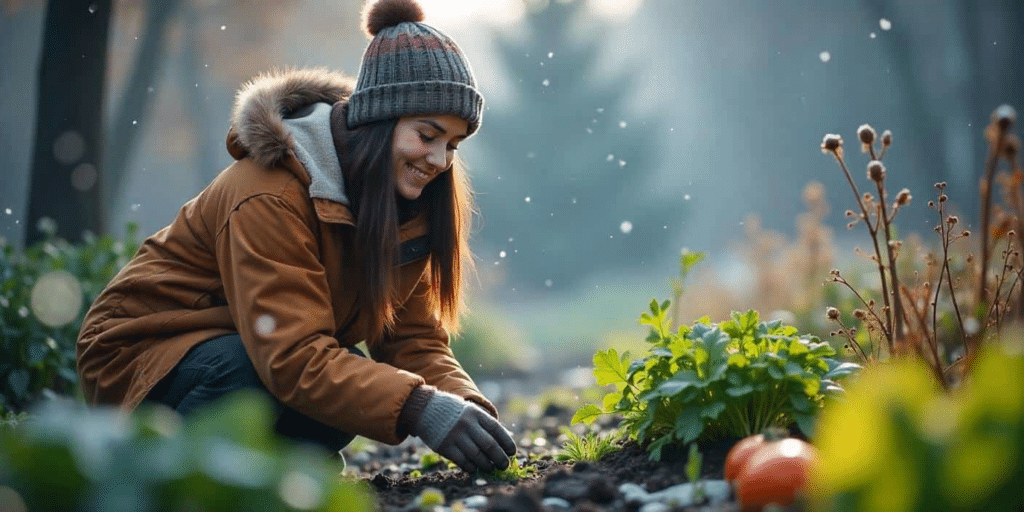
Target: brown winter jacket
(254, 253)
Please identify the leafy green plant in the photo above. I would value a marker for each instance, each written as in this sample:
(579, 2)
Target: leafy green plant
(45, 291)
(709, 381)
(69, 457)
(899, 442)
(588, 447)
(513, 473)
(431, 460)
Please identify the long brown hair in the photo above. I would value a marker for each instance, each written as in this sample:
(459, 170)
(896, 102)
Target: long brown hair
(447, 201)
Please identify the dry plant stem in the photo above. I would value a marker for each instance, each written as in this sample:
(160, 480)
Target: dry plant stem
(871, 310)
(993, 310)
(897, 302)
(986, 212)
(857, 349)
(873, 230)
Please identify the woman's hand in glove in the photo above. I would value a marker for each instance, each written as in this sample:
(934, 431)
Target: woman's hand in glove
(463, 432)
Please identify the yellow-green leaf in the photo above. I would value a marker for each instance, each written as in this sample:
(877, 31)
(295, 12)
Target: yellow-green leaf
(587, 414)
(738, 360)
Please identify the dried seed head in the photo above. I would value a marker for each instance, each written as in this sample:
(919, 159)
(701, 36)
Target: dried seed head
(967, 234)
(931, 204)
(834, 272)
(1004, 116)
(849, 213)
(940, 185)
(886, 138)
(832, 313)
(876, 171)
(831, 142)
(867, 137)
(860, 314)
(904, 197)
(868, 197)
(943, 198)
(895, 244)
(952, 220)
(851, 225)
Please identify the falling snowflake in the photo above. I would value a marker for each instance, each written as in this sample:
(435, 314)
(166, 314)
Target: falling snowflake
(502, 254)
(546, 82)
(825, 56)
(527, 199)
(548, 283)
(551, 54)
(92, 8)
(610, 157)
(622, 163)
(265, 325)
(622, 124)
(872, 35)
(7, 211)
(885, 24)
(135, 207)
(686, 197)
(600, 110)
(56, 298)
(626, 227)
(223, 27)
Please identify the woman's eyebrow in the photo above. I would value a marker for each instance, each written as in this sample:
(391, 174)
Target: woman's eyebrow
(437, 126)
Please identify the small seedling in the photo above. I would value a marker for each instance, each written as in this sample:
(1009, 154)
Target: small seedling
(588, 447)
(430, 461)
(514, 472)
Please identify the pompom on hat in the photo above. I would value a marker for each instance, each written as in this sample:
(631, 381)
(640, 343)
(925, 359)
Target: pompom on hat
(411, 68)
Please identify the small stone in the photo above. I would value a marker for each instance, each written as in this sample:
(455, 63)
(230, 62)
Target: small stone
(633, 493)
(655, 507)
(480, 481)
(554, 502)
(476, 501)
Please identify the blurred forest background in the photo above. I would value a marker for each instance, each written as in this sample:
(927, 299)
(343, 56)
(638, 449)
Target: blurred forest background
(616, 133)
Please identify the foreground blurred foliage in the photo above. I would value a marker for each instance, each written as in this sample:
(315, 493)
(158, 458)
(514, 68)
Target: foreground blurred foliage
(45, 290)
(226, 457)
(900, 443)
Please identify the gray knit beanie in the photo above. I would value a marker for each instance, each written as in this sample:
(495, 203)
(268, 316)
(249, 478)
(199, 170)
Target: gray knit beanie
(411, 68)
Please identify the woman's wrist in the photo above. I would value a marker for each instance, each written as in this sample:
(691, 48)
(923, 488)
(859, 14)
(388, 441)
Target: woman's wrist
(412, 410)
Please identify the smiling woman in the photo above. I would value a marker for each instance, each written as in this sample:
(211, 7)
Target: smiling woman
(344, 218)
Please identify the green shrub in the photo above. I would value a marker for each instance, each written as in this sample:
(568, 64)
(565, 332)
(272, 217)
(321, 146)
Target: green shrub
(45, 291)
(709, 381)
(899, 442)
(69, 457)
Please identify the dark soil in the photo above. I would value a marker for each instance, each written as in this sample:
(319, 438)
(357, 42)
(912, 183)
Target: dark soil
(586, 486)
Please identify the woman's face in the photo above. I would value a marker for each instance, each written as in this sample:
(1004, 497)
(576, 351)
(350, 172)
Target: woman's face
(424, 147)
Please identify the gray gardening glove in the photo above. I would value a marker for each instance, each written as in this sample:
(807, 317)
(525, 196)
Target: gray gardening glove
(457, 429)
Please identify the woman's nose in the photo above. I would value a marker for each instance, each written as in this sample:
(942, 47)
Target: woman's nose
(438, 159)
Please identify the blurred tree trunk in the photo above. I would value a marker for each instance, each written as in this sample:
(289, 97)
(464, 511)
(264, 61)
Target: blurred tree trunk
(68, 134)
(135, 103)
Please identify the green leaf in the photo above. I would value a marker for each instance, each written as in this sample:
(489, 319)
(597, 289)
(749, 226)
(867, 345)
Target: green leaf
(776, 373)
(796, 348)
(611, 400)
(586, 414)
(793, 369)
(806, 423)
(712, 410)
(18, 381)
(738, 360)
(693, 463)
(609, 368)
(677, 383)
(737, 391)
(801, 403)
(689, 423)
(841, 370)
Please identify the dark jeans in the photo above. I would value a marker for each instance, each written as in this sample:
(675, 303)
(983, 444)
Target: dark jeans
(221, 365)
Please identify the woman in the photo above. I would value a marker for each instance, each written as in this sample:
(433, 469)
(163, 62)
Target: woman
(344, 218)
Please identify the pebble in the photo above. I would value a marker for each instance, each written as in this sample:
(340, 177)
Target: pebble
(475, 501)
(655, 507)
(555, 502)
(717, 491)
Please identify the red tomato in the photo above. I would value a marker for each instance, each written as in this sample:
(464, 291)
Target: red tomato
(775, 473)
(740, 453)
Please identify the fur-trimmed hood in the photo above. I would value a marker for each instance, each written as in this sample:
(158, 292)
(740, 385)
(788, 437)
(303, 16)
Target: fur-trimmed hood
(263, 103)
